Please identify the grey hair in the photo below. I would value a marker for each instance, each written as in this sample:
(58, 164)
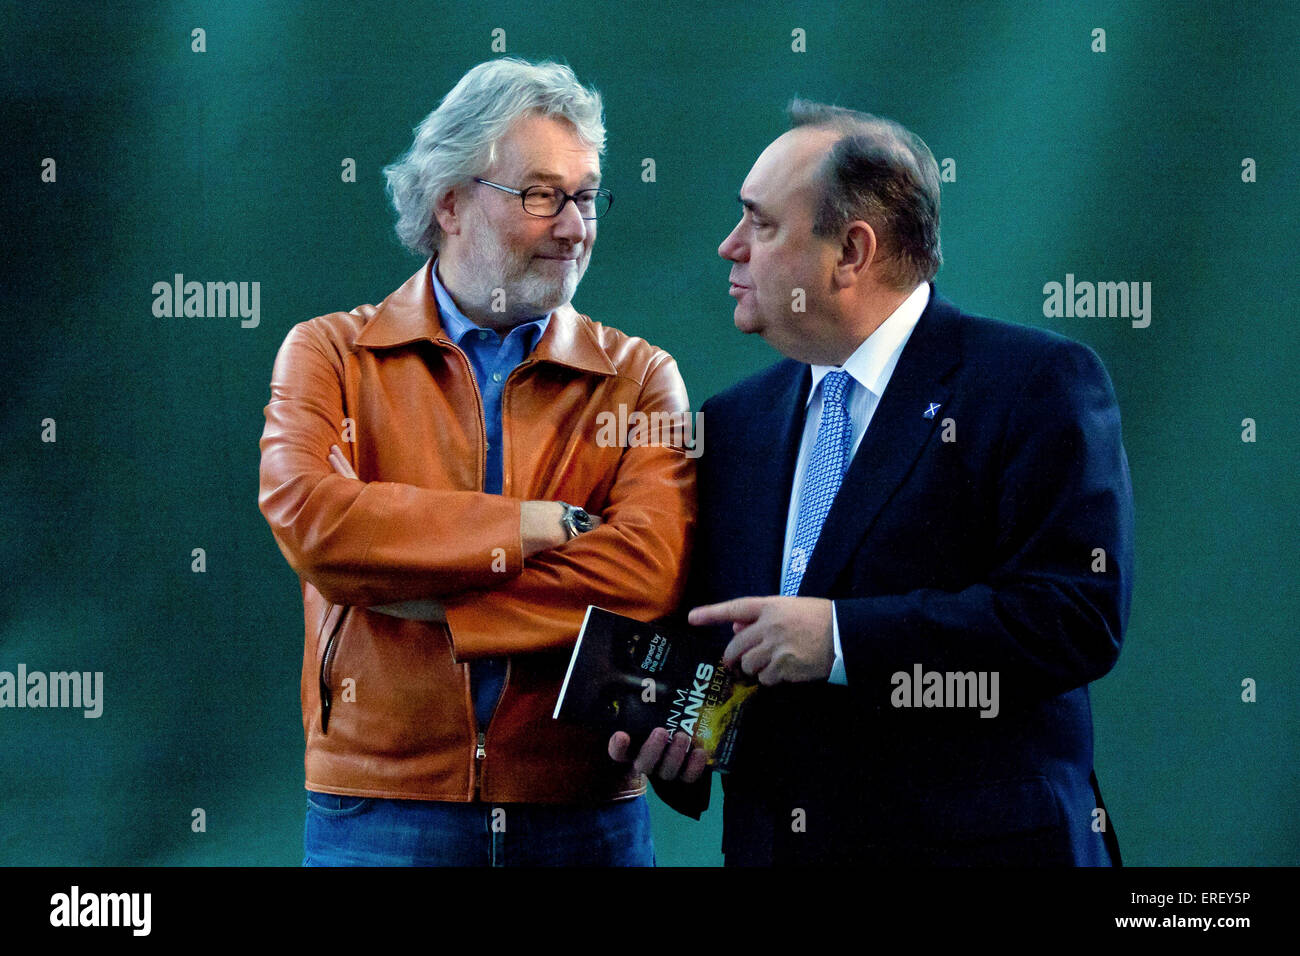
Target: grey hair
(458, 140)
(885, 175)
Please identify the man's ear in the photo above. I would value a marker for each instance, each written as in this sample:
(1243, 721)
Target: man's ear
(447, 210)
(858, 250)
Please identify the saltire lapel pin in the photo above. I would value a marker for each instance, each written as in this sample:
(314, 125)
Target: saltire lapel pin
(929, 412)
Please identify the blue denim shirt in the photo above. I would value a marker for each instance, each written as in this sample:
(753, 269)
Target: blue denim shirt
(492, 360)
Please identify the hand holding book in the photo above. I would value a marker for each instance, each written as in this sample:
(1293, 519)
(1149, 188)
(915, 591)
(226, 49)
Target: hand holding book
(651, 680)
(659, 757)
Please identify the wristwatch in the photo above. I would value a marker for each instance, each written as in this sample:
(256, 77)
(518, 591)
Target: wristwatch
(575, 520)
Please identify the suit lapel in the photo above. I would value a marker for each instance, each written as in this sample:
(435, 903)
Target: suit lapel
(893, 441)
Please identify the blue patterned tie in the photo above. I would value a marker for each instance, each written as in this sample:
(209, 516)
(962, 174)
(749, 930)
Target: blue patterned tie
(830, 458)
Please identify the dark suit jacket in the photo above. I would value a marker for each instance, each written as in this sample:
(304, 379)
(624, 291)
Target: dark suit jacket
(1007, 549)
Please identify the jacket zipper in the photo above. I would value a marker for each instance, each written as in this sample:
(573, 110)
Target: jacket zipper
(480, 733)
(482, 421)
(505, 440)
(326, 664)
(480, 751)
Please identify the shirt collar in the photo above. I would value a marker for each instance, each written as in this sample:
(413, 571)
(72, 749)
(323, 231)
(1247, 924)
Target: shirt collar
(457, 325)
(872, 363)
(410, 314)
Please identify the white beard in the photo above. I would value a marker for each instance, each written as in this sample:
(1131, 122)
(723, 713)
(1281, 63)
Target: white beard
(489, 267)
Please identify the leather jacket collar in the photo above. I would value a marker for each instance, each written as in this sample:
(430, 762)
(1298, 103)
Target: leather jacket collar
(410, 314)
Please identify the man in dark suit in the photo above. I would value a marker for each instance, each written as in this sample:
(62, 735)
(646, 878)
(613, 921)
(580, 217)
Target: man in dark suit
(919, 527)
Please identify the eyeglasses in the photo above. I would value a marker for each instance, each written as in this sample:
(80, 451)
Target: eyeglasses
(548, 202)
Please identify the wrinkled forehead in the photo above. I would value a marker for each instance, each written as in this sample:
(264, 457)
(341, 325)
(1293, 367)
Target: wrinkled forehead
(545, 149)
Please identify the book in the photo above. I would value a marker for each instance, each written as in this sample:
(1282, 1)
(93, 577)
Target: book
(634, 676)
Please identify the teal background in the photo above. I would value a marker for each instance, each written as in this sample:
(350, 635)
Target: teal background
(225, 165)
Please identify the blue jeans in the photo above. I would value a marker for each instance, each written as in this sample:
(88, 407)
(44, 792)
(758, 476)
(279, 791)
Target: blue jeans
(371, 831)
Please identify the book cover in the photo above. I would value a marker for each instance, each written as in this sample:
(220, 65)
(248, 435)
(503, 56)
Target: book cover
(635, 676)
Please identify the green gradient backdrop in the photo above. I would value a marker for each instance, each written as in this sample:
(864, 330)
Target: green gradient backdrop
(1115, 166)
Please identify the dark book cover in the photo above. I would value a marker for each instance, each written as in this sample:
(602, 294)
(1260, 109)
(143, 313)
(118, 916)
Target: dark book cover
(634, 676)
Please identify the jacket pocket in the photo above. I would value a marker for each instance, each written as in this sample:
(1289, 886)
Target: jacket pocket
(327, 661)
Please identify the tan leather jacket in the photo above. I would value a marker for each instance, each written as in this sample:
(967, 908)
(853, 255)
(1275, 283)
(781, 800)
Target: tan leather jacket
(385, 700)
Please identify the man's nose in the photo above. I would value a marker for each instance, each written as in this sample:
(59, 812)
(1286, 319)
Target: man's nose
(569, 224)
(732, 248)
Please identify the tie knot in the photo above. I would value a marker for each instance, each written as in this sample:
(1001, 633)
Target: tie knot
(834, 385)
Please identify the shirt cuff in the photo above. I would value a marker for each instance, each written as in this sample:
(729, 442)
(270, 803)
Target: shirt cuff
(838, 676)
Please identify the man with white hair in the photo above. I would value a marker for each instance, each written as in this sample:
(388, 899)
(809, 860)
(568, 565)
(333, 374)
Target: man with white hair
(431, 470)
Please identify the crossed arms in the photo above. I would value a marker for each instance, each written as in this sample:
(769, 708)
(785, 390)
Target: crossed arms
(503, 585)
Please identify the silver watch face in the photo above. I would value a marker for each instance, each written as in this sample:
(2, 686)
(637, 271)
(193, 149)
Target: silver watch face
(575, 520)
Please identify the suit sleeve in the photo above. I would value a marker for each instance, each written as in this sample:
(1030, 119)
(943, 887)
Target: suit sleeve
(1047, 616)
(366, 543)
(634, 563)
(692, 799)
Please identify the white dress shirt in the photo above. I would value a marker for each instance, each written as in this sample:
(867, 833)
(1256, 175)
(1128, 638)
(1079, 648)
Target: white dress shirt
(869, 367)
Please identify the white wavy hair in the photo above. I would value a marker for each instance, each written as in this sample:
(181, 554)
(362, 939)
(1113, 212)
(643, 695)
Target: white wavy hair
(458, 140)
